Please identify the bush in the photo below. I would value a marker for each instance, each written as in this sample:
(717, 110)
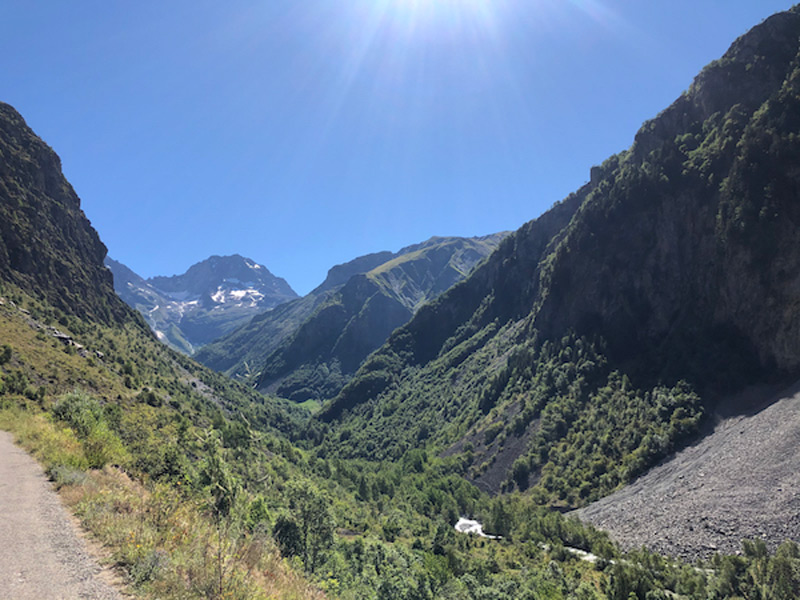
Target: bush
(86, 417)
(62, 475)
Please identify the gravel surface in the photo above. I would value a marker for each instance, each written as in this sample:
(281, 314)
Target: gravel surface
(42, 555)
(740, 481)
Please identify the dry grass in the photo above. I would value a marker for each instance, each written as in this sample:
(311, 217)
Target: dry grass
(50, 444)
(159, 538)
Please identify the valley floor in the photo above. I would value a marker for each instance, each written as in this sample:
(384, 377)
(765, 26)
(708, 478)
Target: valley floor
(41, 553)
(740, 481)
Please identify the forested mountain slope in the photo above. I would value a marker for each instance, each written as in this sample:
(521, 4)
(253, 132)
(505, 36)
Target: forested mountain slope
(309, 348)
(192, 482)
(584, 349)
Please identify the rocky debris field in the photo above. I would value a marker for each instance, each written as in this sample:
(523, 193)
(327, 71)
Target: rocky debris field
(740, 481)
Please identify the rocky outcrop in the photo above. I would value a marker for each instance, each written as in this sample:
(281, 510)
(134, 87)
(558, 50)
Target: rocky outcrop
(47, 245)
(693, 234)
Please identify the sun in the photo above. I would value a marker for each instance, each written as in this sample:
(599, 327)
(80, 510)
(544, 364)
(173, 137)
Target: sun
(421, 15)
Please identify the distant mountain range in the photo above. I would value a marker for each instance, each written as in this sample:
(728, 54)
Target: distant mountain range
(307, 349)
(211, 298)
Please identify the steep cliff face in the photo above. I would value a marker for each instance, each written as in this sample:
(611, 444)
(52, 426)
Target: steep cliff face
(676, 265)
(693, 232)
(47, 245)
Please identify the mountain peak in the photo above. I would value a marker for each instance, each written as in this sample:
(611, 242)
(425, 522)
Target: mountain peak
(210, 299)
(206, 276)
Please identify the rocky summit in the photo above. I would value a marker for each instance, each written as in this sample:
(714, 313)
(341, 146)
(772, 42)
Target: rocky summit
(210, 299)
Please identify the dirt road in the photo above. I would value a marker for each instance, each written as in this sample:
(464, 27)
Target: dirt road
(42, 557)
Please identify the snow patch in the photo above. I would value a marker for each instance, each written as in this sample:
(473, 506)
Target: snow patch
(251, 295)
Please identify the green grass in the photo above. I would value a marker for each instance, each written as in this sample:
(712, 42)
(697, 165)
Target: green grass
(311, 405)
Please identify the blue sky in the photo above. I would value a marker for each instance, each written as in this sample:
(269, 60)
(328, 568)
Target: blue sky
(304, 133)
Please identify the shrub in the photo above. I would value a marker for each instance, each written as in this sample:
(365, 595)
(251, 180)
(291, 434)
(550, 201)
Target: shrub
(62, 475)
(86, 417)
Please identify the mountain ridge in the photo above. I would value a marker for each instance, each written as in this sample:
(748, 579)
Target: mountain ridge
(46, 241)
(350, 314)
(211, 298)
(666, 282)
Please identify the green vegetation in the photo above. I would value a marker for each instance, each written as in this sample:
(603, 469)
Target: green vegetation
(357, 529)
(208, 537)
(166, 542)
(310, 348)
(577, 429)
(573, 359)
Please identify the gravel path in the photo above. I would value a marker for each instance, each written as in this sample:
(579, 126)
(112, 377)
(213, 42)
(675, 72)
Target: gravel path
(42, 556)
(740, 481)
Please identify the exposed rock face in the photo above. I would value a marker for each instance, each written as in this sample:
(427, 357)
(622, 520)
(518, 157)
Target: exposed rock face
(697, 248)
(688, 239)
(47, 245)
(212, 298)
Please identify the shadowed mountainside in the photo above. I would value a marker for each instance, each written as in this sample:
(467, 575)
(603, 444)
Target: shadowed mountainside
(584, 350)
(47, 244)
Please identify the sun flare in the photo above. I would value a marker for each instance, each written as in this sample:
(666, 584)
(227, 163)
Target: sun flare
(440, 13)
